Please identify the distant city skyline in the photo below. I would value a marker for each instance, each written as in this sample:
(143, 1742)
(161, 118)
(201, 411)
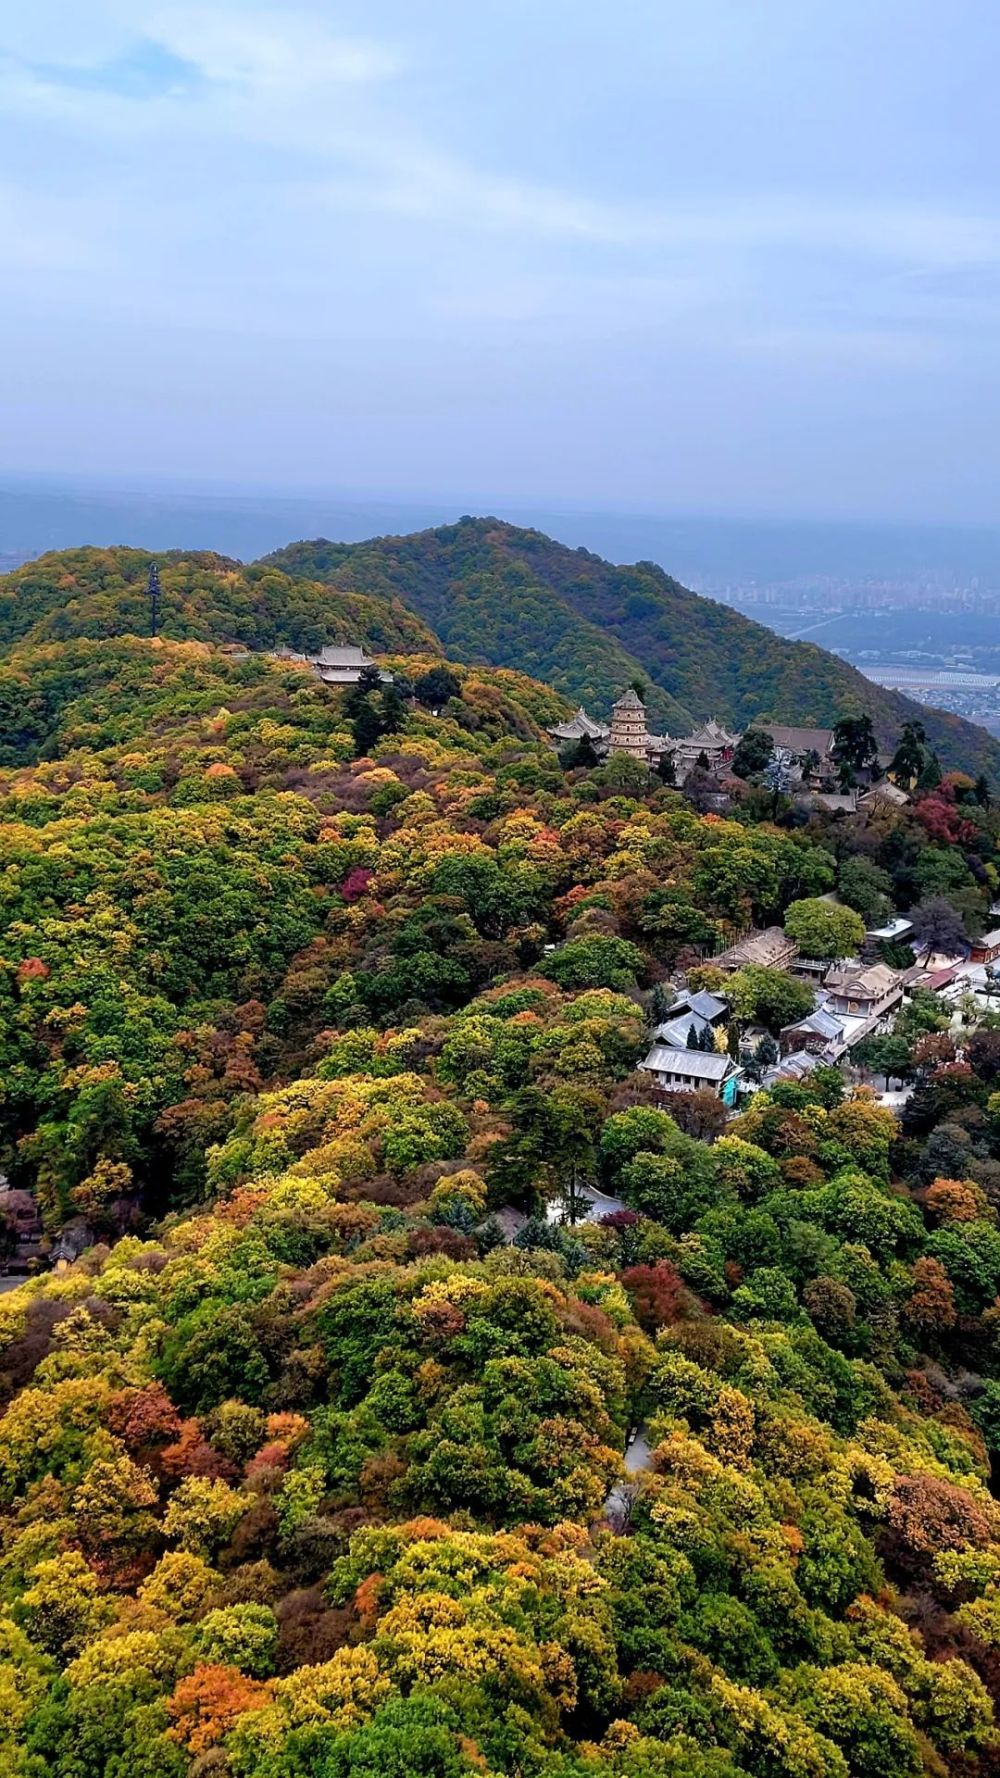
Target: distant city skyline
(715, 259)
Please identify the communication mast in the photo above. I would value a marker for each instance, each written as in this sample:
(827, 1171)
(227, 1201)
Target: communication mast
(154, 599)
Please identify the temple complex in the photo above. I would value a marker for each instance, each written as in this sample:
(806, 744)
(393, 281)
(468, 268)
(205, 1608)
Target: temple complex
(628, 733)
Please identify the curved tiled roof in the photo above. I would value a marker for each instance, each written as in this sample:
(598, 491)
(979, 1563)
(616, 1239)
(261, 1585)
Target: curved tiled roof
(699, 1064)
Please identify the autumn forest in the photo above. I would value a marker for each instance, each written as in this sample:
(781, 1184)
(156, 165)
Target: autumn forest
(395, 1381)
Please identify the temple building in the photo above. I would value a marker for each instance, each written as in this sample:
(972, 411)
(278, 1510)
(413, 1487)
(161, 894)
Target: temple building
(712, 740)
(628, 726)
(770, 948)
(337, 663)
(629, 734)
(579, 726)
(801, 743)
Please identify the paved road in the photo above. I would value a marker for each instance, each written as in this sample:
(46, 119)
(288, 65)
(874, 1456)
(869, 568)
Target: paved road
(618, 1505)
(894, 1100)
(638, 1453)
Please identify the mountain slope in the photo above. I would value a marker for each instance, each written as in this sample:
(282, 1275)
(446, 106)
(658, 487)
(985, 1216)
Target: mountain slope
(492, 600)
(203, 597)
(480, 591)
(494, 592)
(134, 696)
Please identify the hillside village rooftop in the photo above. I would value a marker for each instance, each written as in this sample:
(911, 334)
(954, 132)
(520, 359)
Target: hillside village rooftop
(676, 1070)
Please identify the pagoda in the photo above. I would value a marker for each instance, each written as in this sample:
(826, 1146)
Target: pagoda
(629, 734)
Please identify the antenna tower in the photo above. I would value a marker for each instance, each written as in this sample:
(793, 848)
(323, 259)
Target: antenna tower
(154, 599)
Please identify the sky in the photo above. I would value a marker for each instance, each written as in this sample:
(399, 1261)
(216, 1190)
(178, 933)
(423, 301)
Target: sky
(708, 256)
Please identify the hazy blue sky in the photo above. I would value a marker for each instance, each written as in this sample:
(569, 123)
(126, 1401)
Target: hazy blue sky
(712, 255)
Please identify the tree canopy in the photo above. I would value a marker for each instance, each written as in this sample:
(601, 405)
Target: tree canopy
(361, 1246)
(823, 929)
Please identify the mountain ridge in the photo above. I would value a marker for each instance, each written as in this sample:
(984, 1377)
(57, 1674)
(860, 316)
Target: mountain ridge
(204, 597)
(513, 597)
(487, 593)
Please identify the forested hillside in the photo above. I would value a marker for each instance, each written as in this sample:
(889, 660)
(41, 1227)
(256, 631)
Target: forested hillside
(312, 1003)
(481, 592)
(204, 597)
(493, 592)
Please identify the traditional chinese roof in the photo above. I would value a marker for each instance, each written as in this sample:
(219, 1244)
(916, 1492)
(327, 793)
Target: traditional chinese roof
(793, 1067)
(707, 1006)
(579, 725)
(772, 948)
(674, 1034)
(336, 654)
(630, 700)
(819, 1023)
(699, 1064)
(863, 984)
(798, 740)
(886, 792)
(709, 738)
(342, 663)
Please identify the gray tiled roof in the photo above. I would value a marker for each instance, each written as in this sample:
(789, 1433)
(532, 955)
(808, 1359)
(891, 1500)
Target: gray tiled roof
(800, 1062)
(579, 725)
(698, 1064)
(825, 1024)
(336, 654)
(707, 1006)
(798, 740)
(765, 947)
(674, 1034)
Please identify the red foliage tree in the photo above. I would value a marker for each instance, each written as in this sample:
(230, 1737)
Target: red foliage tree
(930, 1308)
(143, 1418)
(659, 1295)
(356, 883)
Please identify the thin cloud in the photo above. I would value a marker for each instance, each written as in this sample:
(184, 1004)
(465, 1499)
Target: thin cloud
(266, 79)
(271, 52)
(396, 192)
